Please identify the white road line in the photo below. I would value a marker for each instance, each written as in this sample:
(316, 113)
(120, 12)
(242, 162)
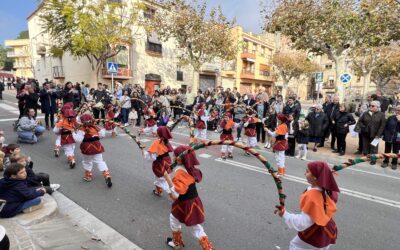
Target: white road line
(14, 119)
(364, 196)
(207, 156)
(330, 164)
(9, 108)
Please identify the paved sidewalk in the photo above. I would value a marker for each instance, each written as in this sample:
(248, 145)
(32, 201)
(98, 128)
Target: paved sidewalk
(61, 224)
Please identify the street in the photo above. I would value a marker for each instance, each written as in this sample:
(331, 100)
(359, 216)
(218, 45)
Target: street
(239, 196)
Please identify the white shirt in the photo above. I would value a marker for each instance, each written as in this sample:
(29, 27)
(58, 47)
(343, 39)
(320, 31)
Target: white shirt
(2, 232)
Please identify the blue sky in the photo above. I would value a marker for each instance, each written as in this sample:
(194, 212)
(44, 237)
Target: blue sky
(13, 14)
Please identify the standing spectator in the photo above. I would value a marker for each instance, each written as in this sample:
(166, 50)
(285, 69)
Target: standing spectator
(100, 96)
(21, 93)
(261, 108)
(125, 107)
(190, 95)
(28, 130)
(85, 91)
(78, 97)
(136, 104)
(199, 98)
(270, 122)
(292, 108)
(293, 128)
(31, 99)
(372, 124)
(68, 93)
(341, 122)
(363, 107)
(278, 104)
(2, 88)
(302, 138)
(48, 104)
(382, 99)
(9, 83)
(391, 136)
(240, 113)
(332, 110)
(318, 123)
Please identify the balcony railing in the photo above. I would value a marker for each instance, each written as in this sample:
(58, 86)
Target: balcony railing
(247, 74)
(11, 54)
(58, 72)
(122, 73)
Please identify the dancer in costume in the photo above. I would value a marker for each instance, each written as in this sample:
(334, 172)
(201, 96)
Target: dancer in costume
(315, 225)
(250, 129)
(65, 127)
(92, 150)
(61, 116)
(150, 123)
(158, 152)
(187, 207)
(281, 144)
(109, 125)
(227, 124)
(201, 119)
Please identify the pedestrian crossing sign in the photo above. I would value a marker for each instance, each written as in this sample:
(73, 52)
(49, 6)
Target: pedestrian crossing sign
(112, 68)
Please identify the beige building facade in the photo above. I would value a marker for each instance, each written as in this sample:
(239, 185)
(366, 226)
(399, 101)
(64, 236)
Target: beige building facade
(148, 61)
(21, 53)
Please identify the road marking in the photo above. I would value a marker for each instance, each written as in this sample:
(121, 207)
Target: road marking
(144, 140)
(207, 156)
(330, 164)
(364, 196)
(9, 108)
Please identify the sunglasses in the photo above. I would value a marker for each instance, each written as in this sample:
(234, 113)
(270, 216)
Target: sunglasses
(372, 106)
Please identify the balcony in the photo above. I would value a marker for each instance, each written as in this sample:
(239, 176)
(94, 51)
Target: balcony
(247, 74)
(249, 56)
(20, 65)
(16, 54)
(41, 50)
(122, 74)
(58, 72)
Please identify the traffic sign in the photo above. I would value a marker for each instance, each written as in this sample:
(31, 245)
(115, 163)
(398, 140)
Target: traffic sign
(345, 78)
(112, 68)
(319, 77)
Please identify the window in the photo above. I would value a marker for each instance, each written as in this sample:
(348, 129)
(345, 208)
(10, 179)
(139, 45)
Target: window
(179, 75)
(328, 66)
(153, 45)
(264, 72)
(149, 13)
(254, 48)
(262, 51)
(245, 46)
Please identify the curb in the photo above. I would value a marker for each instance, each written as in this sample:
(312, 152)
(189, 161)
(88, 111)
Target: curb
(86, 220)
(49, 209)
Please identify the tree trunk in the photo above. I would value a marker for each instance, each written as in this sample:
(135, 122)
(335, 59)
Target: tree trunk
(195, 80)
(339, 70)
(366, 81)
(285, 85)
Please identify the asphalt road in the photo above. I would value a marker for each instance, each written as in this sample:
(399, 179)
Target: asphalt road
(238, 196)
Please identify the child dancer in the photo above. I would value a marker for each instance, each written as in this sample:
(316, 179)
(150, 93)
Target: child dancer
(65, 127)
(187, 207)
(92, 150)
(201, 119)
(159, 153)
(293, 128)
(302, 139)
(250, 129)
(150, 123)
(227, 125)
(61, 116)
(281, 144)
(315, 225)
(109, 125)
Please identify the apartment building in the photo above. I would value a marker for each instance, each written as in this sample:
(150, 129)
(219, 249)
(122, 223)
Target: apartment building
(148, 61)
(21, 53)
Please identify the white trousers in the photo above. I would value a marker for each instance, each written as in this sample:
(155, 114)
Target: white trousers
(69, 149)
(302, 150)
(280, 158)
(58, 141)
(201, 134)
(162, 183)
(97, 159)
(112, 130)
(226, 149)
(196, 230)
(252, 141)
(148, 130)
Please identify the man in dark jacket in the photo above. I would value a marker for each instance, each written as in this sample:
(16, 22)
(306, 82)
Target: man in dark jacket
(100, 95)
(292, 108)
(48, 98)
(372, 124)
(331, 112)
(14, 189)
(318, 123)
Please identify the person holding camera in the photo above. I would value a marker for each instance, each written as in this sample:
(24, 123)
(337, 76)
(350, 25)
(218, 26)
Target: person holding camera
(47, 99)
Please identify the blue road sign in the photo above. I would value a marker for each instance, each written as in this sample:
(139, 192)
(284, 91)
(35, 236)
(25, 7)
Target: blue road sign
(112, 68)
(345, 78)
(319, 77)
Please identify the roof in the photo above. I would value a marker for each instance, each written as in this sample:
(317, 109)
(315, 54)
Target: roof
(35, 11)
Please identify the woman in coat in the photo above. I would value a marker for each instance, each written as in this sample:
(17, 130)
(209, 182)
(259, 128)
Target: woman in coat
(341, 121)
(391, 136)
(48, 103)
(318, 124)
